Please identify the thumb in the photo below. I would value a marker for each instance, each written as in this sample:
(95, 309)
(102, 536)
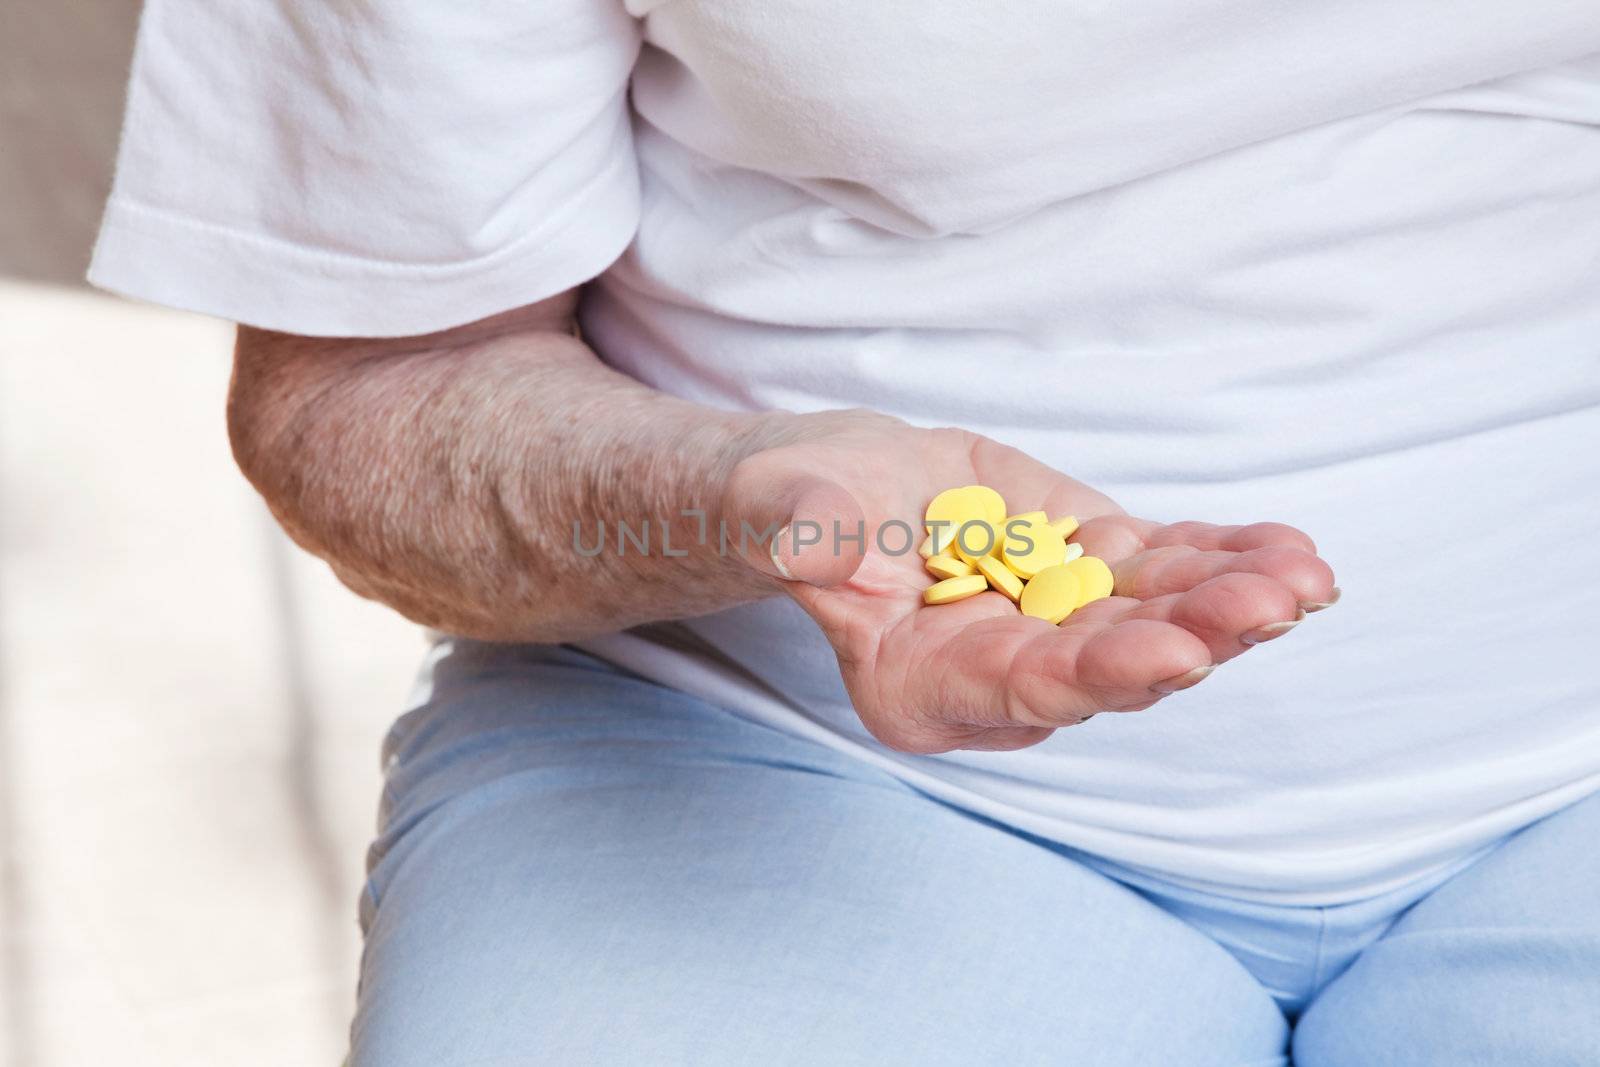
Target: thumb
(796, 527)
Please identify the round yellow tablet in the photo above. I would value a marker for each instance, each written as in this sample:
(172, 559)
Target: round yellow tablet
(955, 506)
(941, 541)
(1074, 550)
(1000, 577)
(1026, 516)
(952, 589)
(1051, 594)
(1066, 525)
(947, 567)
(975, 539)
(1005, 528)
(1031, 547)
(1094, 579)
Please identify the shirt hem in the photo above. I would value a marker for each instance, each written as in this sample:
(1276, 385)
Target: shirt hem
(194, 265)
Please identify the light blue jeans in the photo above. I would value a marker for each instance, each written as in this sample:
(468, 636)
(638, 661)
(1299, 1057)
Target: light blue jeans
(579, 867)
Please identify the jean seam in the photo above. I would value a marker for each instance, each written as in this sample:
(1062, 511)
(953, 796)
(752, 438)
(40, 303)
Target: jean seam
(1318, 961)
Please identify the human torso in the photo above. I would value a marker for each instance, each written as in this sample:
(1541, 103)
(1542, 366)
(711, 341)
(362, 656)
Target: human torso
(1335, 266)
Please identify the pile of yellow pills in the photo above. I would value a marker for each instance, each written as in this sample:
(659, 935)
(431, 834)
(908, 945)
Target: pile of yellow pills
(975, 545)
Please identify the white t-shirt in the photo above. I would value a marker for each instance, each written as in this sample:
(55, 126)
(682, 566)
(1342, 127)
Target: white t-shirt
(1333, 264)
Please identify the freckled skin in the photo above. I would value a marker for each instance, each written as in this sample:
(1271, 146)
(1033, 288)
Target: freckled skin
(443, 476)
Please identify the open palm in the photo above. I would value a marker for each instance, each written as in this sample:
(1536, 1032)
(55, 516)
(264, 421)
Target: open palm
(977, 673)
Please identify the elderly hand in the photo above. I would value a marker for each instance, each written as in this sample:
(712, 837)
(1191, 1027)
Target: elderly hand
(978, 674)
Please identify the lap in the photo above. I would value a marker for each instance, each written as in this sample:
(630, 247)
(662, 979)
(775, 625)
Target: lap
(1499, 965)
(579, 867)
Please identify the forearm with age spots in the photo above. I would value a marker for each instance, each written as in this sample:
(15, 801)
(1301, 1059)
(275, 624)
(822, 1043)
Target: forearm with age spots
(443, 476)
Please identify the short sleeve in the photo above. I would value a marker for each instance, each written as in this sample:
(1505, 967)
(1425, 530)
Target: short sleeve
(371, 167)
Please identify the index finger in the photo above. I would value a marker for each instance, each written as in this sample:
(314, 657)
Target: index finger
(1116, 537)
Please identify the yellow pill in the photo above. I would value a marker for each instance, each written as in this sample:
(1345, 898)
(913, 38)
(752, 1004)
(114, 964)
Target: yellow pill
(1074, 550)
(1027, 516)
(955, 506)
(1000, 577)
(1051, 594)
(1005, 528)
(1094, 579)
(1066, 525)
(952, 589)
(940, 542)
(975, 539)
(1032, 547)
(948, 567)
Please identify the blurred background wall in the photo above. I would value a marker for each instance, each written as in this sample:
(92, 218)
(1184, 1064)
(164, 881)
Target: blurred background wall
(190, 708)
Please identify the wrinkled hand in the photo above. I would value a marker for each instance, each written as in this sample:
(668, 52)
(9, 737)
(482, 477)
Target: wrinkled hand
(978, 674)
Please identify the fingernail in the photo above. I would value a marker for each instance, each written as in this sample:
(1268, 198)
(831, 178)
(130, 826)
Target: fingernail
(1184, 680)
(772, 551)
(1318, 605)
(1271, 630)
